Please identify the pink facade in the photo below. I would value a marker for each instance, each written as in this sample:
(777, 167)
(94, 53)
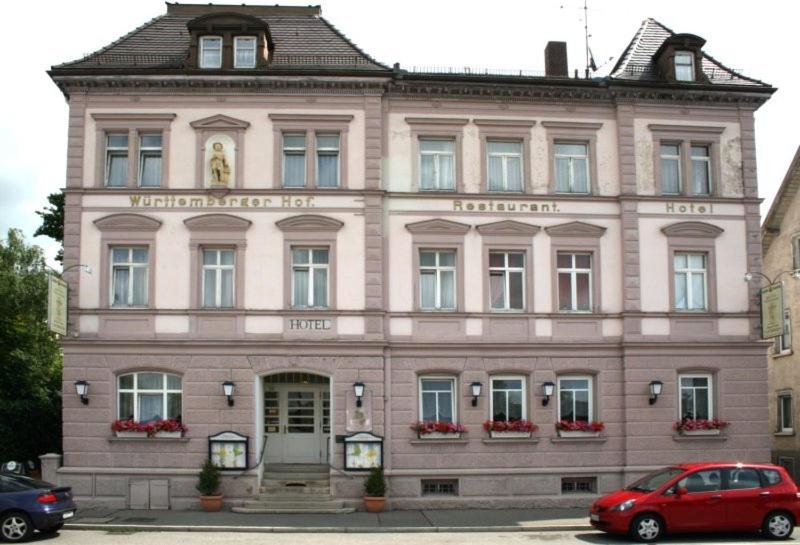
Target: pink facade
(415, 233)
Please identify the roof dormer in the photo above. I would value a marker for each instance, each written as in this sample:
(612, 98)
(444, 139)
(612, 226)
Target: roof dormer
(228, 41)
(680, 59)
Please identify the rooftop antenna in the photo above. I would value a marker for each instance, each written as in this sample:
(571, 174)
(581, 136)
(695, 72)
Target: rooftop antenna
(586, 37)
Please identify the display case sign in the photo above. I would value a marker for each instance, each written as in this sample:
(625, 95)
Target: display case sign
(228, 450)
(363, 451)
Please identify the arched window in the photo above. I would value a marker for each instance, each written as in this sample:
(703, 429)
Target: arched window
(149, 396)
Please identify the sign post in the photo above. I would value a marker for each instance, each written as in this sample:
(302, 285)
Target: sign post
(57, 305)
(772, 311)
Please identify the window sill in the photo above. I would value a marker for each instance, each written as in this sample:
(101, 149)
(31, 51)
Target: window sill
(679, 437)
(782, 354)
(585, 439)
(442, 441)
(114, 439)
(510, 440)
(785, 433)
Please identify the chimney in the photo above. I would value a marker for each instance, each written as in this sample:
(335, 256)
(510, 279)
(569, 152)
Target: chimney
(555, 60)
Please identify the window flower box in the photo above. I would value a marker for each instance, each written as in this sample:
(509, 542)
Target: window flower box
(438, 430)
(510, 429)
(158, 428)
(579, 428)
(700, 426)
(169, 434)
(131, 434)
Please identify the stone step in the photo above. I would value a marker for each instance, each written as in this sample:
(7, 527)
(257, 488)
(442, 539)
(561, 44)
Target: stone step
(296, 476)
(283, 504)
(292, 496)
(261, 511)
(298, 467)
(280, 489)
(295, 483)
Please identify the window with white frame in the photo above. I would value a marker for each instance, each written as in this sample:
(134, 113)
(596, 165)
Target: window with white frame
(129, 277)
(670, 169)
(437, 402)
(783, 343)
(575, 398)
(695, 397)
(574, 281)
(150, 152)
(701, 170)
(211, 52)
(436, 164)
(796, 253)
(244, 52)
(684, 66)
(146, 396)
(294, 160)
(572, 167)
(785, 420)
(327, 160)
(437, 279)
(218, 278)
(690, 281)
(116, 160)
(504, 161)
(507, 398)
(310, 277)
(507, 280)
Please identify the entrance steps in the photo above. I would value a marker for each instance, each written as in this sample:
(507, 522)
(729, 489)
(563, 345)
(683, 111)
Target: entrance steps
(294, 488)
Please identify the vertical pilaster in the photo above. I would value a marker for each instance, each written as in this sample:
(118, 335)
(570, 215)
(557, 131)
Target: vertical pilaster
(76, 134)
(752, 213)
(631, 286)
(373, 216)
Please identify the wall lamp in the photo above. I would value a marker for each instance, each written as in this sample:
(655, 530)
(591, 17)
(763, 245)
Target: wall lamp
(476, 392)
(358, 388)
(547, 389)
(655, 390)
(82, 389)
(228, 387)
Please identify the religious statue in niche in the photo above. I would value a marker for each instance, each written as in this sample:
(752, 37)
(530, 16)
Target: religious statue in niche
(220, 168)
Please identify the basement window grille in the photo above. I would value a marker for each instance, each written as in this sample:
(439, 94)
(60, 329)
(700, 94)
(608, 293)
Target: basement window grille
(440, 487)
(579, 485)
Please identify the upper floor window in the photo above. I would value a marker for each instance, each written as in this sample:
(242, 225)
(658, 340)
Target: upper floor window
(684, 66)
(146, 397)
(436, 164)
(701, 170)
(218, 275)
(507, 280)
(116, 160)
(785, 420)
(437, 399)
(671, 169)
(574, 281)
(150, 160)
(327, 160)
(695, 397)
(294, 160)
(505, 165)
(310, 267)
(690, 281)
(437, 280)
(211, 52)
(572, 168)
(244, 52)
(129, 273)
(783, 343)
(507, 399)
(575, 399)
(796, 253)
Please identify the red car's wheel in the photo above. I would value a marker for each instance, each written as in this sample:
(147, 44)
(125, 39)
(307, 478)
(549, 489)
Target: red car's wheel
(778, 525)
(647, 528)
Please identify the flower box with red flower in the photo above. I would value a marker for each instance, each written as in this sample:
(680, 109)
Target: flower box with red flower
(129, 428)
(700, 426)
(438, 430)
(510, 429)
(579, 428)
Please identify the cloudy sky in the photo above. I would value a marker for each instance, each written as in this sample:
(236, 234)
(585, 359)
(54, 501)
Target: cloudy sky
(758, 38)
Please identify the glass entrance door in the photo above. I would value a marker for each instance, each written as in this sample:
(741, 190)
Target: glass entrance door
(297, 423)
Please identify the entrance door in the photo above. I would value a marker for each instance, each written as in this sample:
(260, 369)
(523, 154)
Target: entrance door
(297, 423)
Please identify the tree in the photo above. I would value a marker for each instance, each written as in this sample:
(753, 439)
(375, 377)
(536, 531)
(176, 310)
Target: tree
(53, 221)
(30, 356)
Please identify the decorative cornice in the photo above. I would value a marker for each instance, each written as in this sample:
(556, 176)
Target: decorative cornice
(220, 121)
(438, 227)
(217, 222)
(575, 229)
(127, 222)
(309, 222)
(575, 125)
(310, 118)
(508, 228)
(520, 123)
(447, 121)
(131, 117)
(692, 229)
(694, 129)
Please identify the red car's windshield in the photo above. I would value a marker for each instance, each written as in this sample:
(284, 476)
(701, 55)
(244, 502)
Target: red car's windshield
(652, 481)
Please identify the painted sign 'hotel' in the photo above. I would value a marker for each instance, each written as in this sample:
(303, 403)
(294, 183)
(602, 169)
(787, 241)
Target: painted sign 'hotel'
(276, 220)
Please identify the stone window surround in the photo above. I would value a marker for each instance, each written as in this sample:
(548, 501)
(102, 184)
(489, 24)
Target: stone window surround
(693, 237)
(576, 237)
(712, 383)
(594, 388)
(512, 236)
(310, 230)
(219, 124)
(127, 230)
(440, 128)
(309, 125)
(572, 132)
(127, 371)
(442, 375)
(686, 136)
(780, 430)
(526, 401)
(134, 125)
(213, 232)
(440, 235)
(508, 130)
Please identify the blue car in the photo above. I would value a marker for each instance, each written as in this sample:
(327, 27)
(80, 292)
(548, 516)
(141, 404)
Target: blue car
(27, 505)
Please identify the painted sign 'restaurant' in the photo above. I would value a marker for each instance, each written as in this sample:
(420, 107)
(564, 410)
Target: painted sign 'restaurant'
(503, 206)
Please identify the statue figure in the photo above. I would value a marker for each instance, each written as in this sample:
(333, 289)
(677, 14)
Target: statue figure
(220, 169)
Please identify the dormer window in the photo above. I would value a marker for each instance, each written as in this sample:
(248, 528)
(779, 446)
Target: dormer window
(244, 52)
(684, 66)
(211, 52)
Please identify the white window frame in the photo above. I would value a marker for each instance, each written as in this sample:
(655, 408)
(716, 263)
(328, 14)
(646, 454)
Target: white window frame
(112, 151)
(322, 151)
(217, 267)
(668, 157)
(689, 272)
(130, 265)
(438, 270)
(312, 267)
(520, 378)
(506, 269)
(437, 172)
(294, 150)
(796, 252)
(236, 47)
(782, 427)
(573, 272)
(704, 160)
(782, 345)
(135, 391)
(590, 388)
(145, 151)
(572, 159)
(710, 378)
(504, 157)
(690, 56)
(453, 395)
(203, 47)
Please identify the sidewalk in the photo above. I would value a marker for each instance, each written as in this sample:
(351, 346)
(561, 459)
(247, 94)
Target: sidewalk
(450, 520)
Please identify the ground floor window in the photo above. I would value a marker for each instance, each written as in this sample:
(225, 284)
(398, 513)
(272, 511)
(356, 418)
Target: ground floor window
(437, 399)
(695, 397)
(146, 397)
(575, 398)
(507, 399)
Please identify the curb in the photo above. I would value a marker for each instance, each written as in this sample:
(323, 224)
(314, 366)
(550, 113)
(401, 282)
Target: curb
(327, 529)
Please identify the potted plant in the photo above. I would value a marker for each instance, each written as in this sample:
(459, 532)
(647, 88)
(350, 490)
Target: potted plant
(208, 485)
(579, 428)
(700, 426)
(438, 430)
(510, 428)
(375, 491)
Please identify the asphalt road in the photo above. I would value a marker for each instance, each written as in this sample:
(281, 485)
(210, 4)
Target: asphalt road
(77, 537)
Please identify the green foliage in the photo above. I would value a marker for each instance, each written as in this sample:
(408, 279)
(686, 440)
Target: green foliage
(53, 221)
(208, 480)
(30, 357)
(375, 485)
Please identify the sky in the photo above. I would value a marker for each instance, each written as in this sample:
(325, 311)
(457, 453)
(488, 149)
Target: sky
(758, 38)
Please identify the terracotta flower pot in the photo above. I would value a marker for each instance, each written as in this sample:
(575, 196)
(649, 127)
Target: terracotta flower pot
(374, 504)
(211, 504)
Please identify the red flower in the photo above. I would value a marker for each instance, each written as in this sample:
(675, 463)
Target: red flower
(694, 424)
(427, 427)
(150, 428)
(510, 425)
(580, 425)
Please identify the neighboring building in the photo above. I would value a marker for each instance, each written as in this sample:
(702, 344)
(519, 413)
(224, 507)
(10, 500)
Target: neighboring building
(263, 203)
(780, 237)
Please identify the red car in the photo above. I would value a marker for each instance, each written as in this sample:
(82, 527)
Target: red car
(702, 497)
